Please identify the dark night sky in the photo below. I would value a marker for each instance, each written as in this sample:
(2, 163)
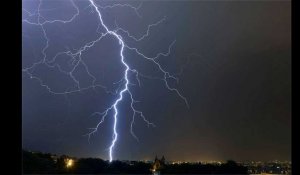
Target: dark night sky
(236, 61)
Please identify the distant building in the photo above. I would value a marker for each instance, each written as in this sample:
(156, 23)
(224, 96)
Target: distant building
(158, 165)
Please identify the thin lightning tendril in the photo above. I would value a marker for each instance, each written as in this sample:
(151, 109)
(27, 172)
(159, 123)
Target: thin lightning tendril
(76, 61)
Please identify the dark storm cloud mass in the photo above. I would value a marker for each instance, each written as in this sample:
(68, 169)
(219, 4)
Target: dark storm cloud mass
(236, 58)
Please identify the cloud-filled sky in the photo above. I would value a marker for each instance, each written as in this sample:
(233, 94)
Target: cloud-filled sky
(233, 61)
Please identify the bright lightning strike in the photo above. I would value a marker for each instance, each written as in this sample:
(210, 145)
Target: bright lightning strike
(76, 60)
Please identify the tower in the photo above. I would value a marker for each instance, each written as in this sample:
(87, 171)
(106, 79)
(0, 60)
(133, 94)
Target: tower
(163, 160)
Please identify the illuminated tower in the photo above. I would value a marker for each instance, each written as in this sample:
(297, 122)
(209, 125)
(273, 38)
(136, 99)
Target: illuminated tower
(158, 165)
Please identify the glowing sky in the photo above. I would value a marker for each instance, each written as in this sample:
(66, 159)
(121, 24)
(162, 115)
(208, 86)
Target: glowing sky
(235, 59)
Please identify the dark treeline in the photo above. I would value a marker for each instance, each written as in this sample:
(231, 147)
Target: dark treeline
(230, 167)
(40, 163)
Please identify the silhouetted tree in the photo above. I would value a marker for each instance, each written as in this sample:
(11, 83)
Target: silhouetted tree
(39, 163)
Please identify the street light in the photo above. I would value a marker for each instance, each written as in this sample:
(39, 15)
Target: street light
(69, 163)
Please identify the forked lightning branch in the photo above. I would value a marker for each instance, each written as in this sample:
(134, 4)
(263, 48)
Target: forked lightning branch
(77, 60)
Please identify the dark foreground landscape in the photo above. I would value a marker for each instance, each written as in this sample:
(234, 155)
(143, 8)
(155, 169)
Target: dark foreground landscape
(41, 163)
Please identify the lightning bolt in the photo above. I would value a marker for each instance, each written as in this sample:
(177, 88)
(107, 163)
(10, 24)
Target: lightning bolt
(77, 60)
